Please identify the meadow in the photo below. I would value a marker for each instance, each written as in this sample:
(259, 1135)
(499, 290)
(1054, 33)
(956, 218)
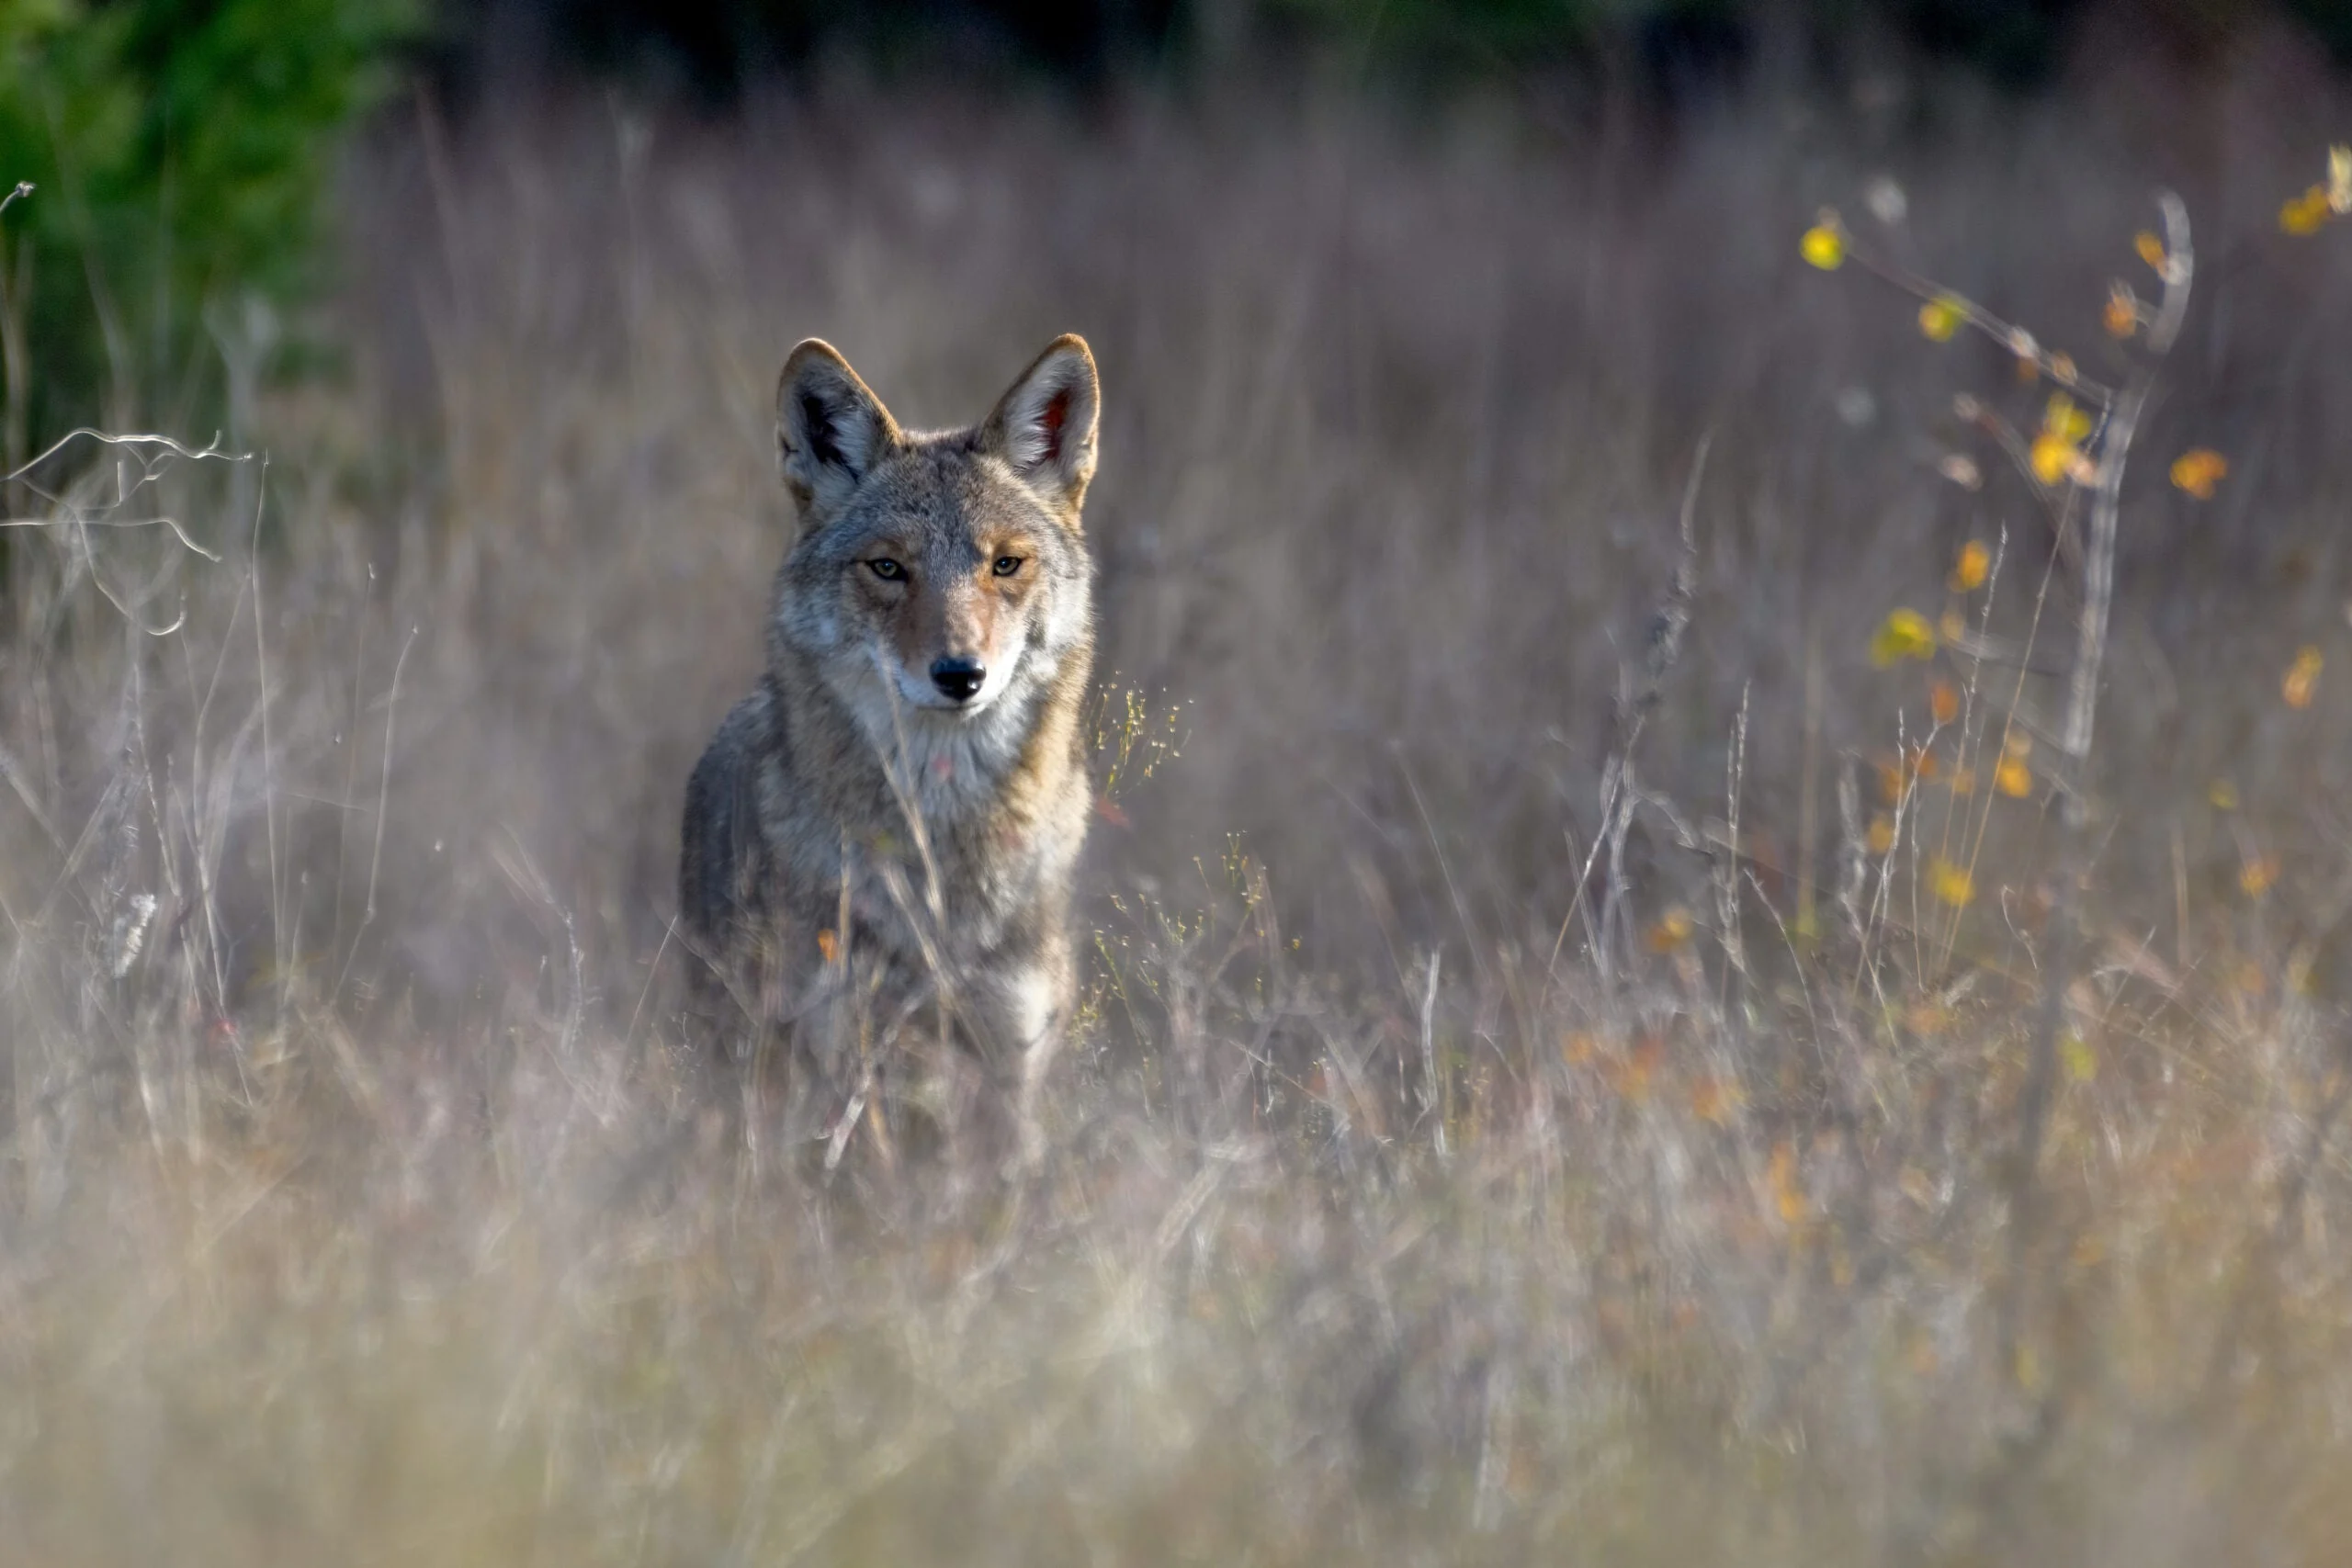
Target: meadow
(1618, 1031)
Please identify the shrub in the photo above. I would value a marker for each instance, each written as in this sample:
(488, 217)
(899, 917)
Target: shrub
(179, 150)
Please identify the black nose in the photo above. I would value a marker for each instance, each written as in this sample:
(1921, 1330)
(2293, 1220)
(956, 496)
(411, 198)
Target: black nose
(959, 679)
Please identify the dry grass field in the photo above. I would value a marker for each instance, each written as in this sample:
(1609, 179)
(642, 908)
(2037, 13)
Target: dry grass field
(1419, 1190)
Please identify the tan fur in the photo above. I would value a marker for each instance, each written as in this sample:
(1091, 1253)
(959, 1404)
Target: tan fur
(866, 850)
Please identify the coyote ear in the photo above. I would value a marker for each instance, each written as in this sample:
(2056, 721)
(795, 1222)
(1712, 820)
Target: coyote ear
(830, 429)
(1044, 426)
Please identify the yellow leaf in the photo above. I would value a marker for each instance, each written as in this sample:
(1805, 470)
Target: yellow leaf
(2082, 1062)
(1904, 634)
(1952, 884)
(2013, 778)
(2149, 248)
(1940, 318)
(1882, 835)
(2307, 213)
(1968, 573)
(2223, 794)
(2197, 470)
(1824, 245)
(2302, 679)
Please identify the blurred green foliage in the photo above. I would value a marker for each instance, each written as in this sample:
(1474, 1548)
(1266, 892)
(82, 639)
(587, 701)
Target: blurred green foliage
(180, 149)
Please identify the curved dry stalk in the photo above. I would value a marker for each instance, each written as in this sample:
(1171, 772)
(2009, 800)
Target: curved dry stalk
(2114, 449)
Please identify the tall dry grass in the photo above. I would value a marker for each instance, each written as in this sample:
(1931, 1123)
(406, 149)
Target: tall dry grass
(360, 1207)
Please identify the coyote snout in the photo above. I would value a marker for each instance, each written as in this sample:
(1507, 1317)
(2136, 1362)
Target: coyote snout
(888, 825)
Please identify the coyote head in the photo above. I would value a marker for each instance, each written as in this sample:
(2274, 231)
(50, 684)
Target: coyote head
(939, 579)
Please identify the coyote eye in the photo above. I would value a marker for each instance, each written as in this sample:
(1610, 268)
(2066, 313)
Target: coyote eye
(1007, 565)
(885, 568)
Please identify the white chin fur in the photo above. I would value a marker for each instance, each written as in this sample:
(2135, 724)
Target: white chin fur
(951, 753)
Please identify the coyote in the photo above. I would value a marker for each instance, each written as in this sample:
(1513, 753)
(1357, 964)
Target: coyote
(886, 829)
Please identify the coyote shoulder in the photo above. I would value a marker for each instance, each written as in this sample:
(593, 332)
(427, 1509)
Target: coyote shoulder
(887, 827)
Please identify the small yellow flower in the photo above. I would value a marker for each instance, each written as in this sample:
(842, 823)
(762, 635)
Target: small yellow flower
(2256, 876)
(1968, 573)
(2223, 794)
(1940, 318)
(2307, 213)
(1824, 245)
(2082, 1062)
(1904, 634)
(2151, 250)
(2065, 420)
(2339, 180)
(1673, 929)
(1882, 833)
(2197, 470)
(2056, 453)
(2302, 678)
(1943, 702)
(2051, 457)
(2013, 778)
(2121, 317)
(1952, 884)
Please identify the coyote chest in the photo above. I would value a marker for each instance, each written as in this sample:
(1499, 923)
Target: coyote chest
(902, 801)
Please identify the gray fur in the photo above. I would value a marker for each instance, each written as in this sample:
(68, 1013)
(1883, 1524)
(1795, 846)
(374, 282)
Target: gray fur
(853, 836)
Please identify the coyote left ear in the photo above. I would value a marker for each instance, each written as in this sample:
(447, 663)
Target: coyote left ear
(1043, 428)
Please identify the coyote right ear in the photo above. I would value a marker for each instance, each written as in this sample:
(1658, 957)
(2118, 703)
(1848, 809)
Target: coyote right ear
(830, 428)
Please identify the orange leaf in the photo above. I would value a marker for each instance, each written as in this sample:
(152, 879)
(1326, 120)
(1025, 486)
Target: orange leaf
(2302, 679)
(2197, 470)
(1781, 1179)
